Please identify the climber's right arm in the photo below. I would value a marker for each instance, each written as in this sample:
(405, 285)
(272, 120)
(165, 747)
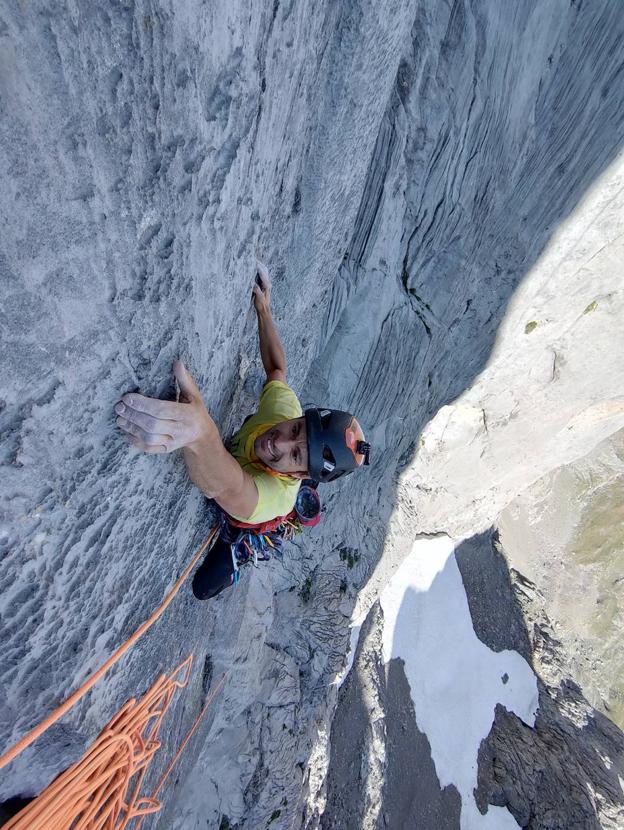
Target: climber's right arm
(211, 468)
(156, 426)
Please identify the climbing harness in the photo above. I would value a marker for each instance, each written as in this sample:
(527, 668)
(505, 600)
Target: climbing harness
(253, 543)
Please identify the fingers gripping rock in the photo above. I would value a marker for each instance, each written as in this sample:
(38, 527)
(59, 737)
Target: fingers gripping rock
(153, 425)
(188, 387)
(262, 284)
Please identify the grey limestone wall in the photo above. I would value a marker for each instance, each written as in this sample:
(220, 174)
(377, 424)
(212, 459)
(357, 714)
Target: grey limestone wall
(400, 166)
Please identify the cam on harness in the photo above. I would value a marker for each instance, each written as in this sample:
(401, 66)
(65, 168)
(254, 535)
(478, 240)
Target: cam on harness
(253, 543)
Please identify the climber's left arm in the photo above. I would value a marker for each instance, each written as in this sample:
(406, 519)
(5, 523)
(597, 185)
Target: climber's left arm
(271, 348)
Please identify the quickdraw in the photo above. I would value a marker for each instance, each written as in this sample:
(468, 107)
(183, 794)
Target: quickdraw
(251, 544)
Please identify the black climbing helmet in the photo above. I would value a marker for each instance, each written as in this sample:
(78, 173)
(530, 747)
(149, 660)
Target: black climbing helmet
(336, 444)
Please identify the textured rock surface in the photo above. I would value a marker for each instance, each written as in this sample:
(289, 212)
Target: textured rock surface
(381, 772)
(565, 535)
(439, 191)
(567, 772)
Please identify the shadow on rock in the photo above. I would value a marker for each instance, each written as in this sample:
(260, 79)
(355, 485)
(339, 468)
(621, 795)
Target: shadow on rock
(565, 772)
(383, 763)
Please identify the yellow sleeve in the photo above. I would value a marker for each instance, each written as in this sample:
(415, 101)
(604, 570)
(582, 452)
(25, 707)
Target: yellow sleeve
(276, 497)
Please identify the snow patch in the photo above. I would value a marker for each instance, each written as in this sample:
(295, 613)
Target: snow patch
(356, 626)
(455, 680)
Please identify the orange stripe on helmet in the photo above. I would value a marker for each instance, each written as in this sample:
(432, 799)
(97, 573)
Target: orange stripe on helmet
(353, 434)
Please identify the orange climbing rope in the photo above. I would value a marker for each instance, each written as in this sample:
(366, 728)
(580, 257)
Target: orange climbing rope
(182, 746)
(58, 713)
(102, 790)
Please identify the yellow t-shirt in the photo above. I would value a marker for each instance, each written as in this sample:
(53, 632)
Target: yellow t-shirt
(276, 494)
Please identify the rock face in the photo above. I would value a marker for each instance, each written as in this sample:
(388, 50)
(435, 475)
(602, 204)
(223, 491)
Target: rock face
(565, 534)
(567, 770)
(439, 193)
(562, 772)
(381, 772)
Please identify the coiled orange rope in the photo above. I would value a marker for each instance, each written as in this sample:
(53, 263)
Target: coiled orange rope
(58, 713)
(101, 791)
(182, 746)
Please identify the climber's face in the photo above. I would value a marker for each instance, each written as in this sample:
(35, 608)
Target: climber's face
(284, 448)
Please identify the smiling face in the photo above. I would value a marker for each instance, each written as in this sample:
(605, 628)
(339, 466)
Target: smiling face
(284, 448)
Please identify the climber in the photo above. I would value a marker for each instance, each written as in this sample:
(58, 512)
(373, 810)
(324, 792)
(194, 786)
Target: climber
(258, 479)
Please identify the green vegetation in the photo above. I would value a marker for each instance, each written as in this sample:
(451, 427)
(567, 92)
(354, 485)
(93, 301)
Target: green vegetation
(306, 589)
(350, 556)
(275, 814)
(591, 307)
(530, 326)
(597, 548)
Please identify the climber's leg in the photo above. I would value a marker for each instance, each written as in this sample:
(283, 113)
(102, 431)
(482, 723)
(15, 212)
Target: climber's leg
(216, 571)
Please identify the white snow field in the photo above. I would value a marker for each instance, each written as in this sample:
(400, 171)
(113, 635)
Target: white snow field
(455, 680)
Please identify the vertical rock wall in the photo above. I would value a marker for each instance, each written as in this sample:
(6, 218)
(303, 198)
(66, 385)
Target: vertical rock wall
(564, 534)
(402, 167)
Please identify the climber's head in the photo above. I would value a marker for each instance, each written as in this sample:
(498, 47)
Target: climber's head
(323, 445)
(283, 448)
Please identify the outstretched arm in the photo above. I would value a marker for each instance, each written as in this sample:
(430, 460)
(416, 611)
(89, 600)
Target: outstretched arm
(271, 349)
(156, 426)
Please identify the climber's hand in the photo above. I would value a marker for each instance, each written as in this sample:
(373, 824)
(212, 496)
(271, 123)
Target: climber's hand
(262, 288)
(157, 426)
